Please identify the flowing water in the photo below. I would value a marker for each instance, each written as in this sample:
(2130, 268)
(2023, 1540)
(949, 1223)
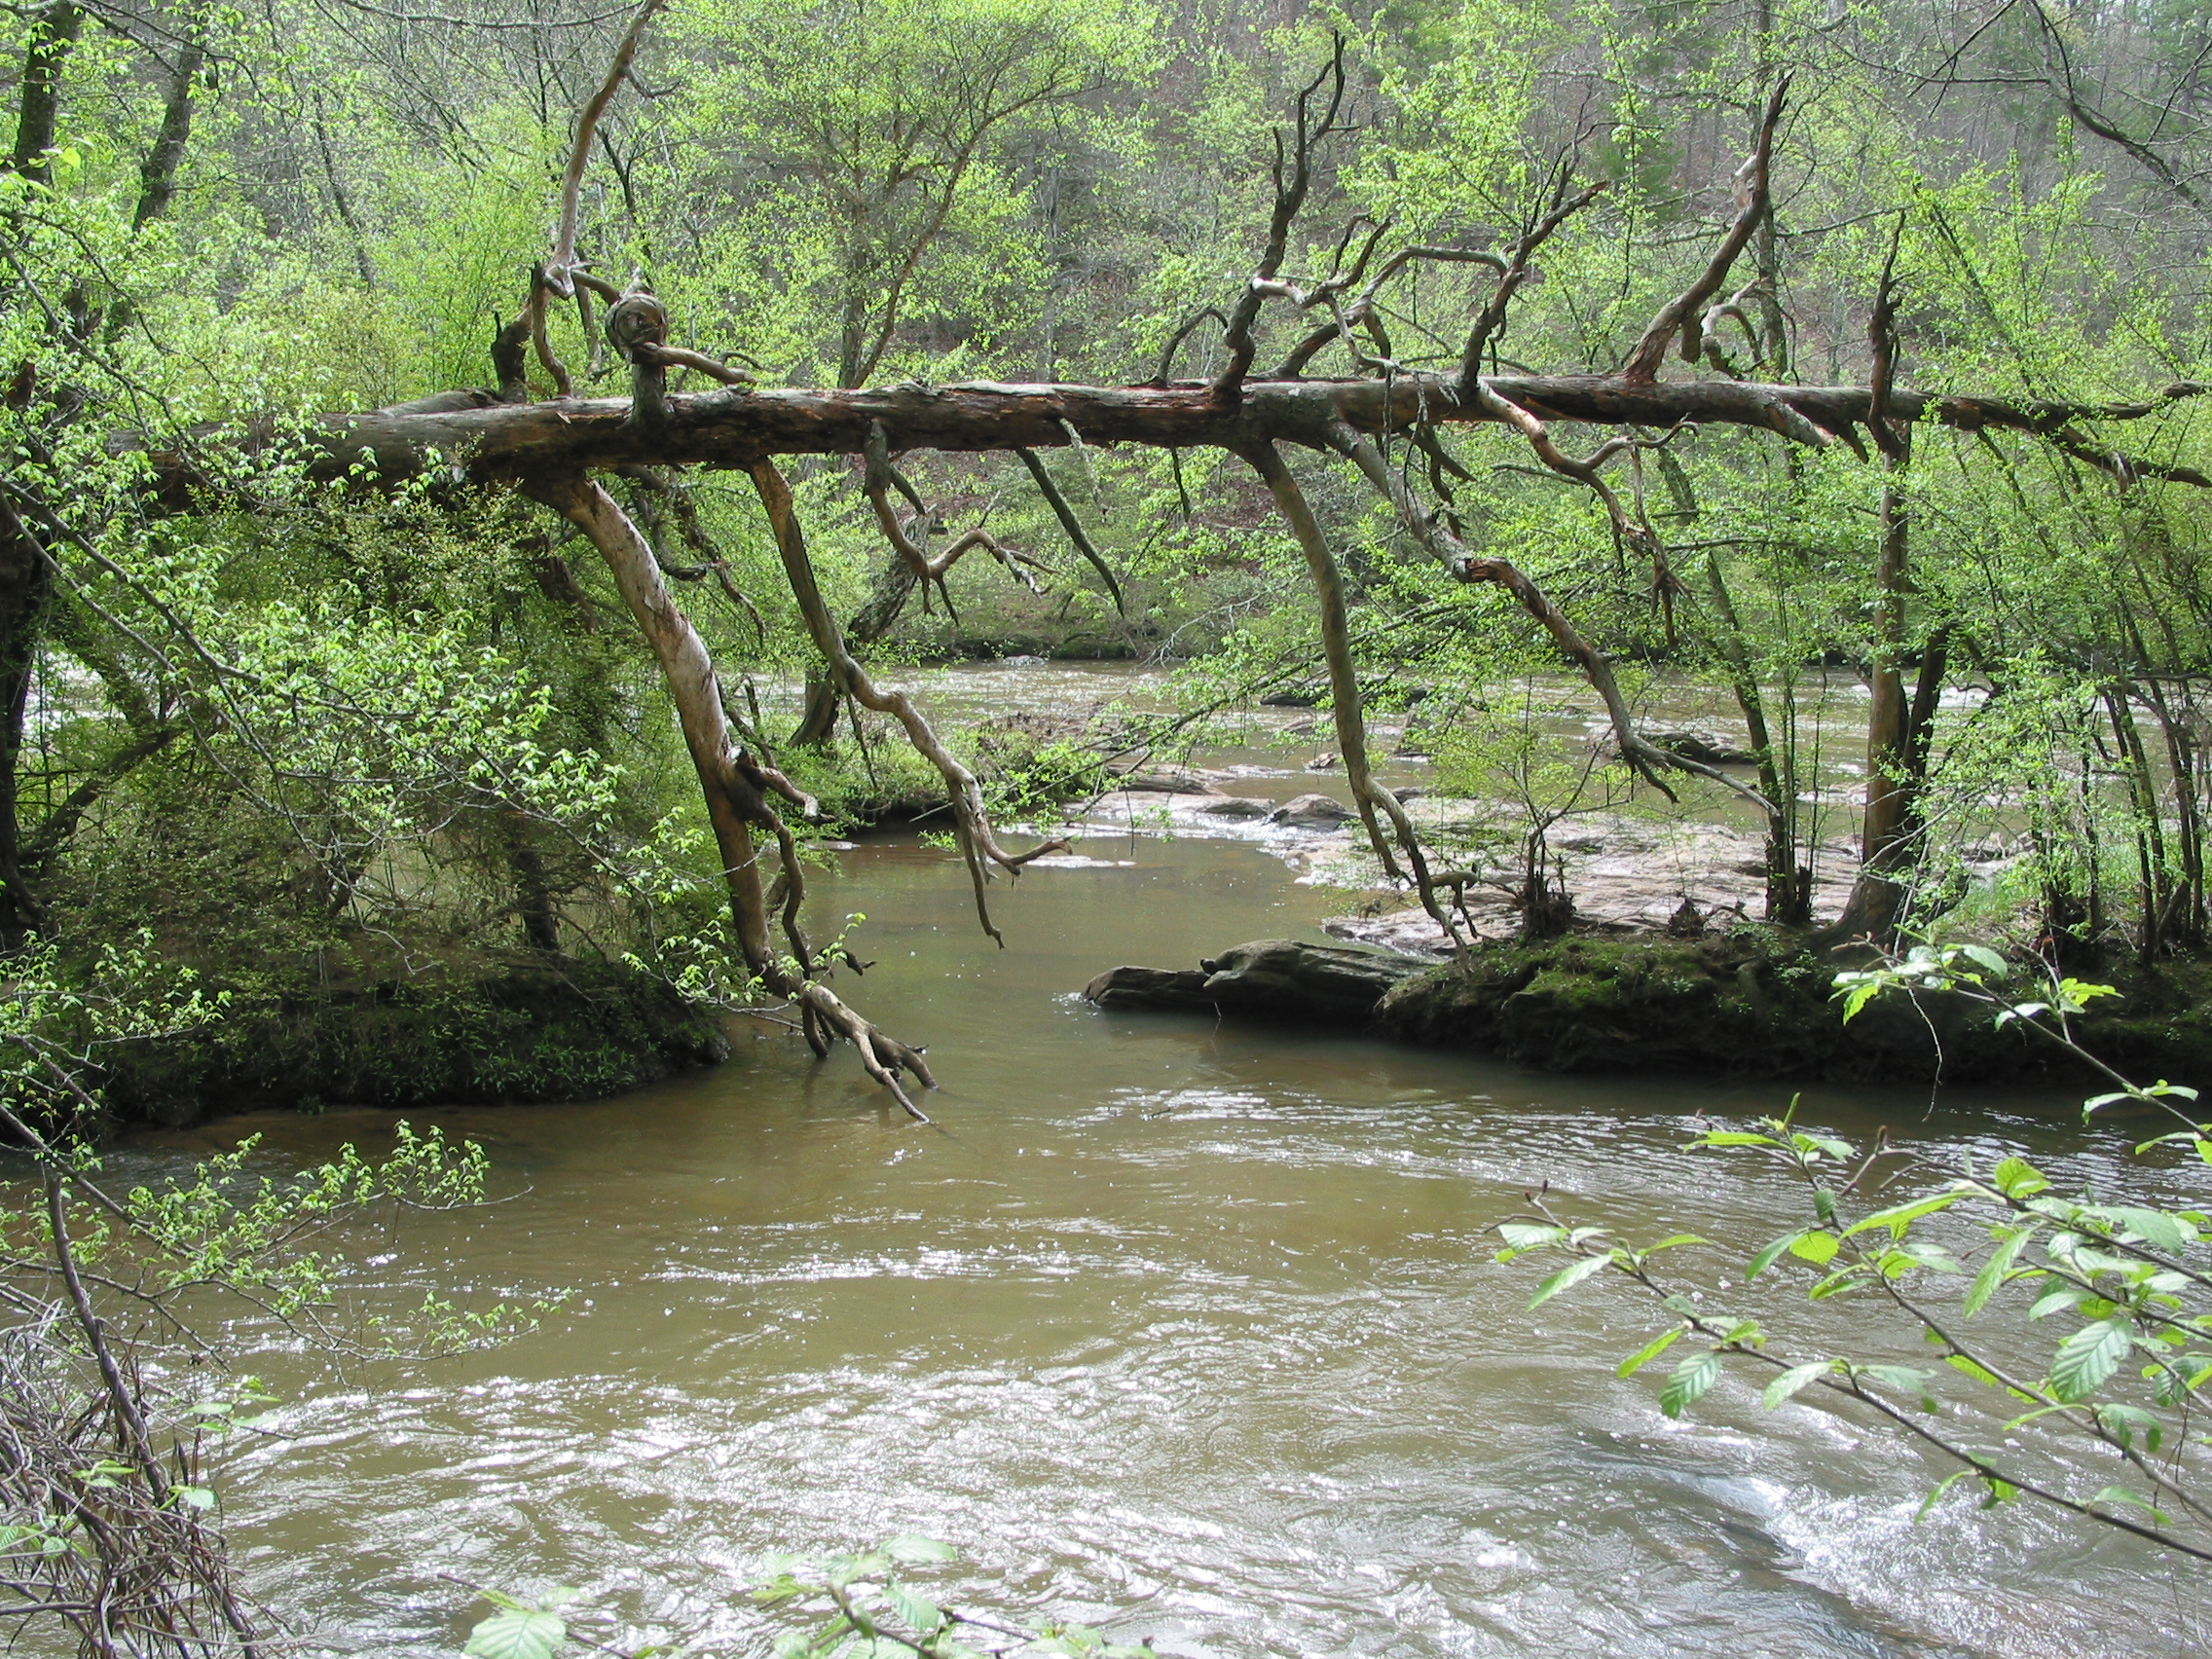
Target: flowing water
(1186, 1329)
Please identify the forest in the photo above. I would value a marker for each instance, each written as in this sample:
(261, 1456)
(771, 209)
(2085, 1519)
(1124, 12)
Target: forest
(561, 558)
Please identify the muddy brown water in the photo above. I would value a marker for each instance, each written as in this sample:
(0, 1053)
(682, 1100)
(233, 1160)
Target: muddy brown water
(1186, 1329)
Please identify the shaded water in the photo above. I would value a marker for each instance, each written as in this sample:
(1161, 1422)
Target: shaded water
(1185, 1328)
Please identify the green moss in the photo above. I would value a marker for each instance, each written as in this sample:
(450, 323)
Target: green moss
(1756, 1001)
(531, 1028)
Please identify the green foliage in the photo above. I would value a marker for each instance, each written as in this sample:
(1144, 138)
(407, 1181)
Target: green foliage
(875, 1609)
(522, 1630)
(2128, 1284)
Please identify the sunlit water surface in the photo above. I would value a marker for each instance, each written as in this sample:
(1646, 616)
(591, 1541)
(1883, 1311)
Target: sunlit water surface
(1186, 1329)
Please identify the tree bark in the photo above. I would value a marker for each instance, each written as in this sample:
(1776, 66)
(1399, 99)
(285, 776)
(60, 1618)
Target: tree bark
(54, 34)
(471, 436)
(736, 805)
(26, 587)
(156, 174)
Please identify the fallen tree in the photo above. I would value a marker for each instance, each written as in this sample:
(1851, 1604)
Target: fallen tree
(551, 450)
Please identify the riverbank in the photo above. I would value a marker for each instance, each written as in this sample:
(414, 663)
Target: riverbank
(517, 1028)
(1749, 1002)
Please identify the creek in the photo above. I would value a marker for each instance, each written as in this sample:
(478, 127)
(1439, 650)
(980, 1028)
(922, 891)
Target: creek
(1188, 1329)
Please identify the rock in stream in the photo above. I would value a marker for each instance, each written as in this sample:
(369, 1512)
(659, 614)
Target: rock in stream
(1268, 978)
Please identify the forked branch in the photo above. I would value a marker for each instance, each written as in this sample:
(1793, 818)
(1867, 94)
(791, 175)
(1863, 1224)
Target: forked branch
(1294, 177)
(1680, 315)
(971, 825)
(1347, 703)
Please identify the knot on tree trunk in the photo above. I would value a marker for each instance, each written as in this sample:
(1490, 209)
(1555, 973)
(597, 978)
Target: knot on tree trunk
(637, 327)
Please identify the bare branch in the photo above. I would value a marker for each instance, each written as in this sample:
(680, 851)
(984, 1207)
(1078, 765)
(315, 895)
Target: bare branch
(1680, 316)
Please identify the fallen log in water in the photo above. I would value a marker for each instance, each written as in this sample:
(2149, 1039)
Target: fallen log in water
(1268, 978)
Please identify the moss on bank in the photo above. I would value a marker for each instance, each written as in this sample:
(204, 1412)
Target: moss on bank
(527, 1028)
(1755, 1002)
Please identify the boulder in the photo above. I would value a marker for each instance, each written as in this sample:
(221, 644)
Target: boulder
(1235, 807)
(1172, 780)
(1268, 978)
(1703, 748)
(1157, 988)
(1310, 812)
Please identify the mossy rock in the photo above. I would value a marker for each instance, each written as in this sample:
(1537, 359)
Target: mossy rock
(527, 1029)
(1758, 1002)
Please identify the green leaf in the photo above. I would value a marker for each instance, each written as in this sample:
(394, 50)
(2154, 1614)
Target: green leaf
(1994, 1270)
(2125, 1423)
(198, 1496)
(1856, 995)
(2155, 1227)
(1529, 1235)
(2086, 1358)
(1569, 1276)
(1816, 1248)
(2018, 1178)
(1969, 1367)
(516, 1633)
(2135, 1499)
(1767, 1257)
(1902, 1378)
(1649, 1351)
(1984, 958)
(921, 1615)
(1731, 1137)
(2057, 1298)
(1795, 1380)
(911, 1549)
(1897, 1217)
(1674, 1241)
(1689, 1383)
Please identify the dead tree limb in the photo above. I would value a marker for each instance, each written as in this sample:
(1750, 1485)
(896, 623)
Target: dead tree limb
(1078, 536)
(971, 823)
(1680, 315)
(1291, 187)
(1347, 708)
(736, 805)
(881, 479)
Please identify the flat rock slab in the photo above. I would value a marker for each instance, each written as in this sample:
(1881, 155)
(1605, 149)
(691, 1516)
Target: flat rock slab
(1268, 978)
(1312, 812)
(1170, 780)
(1237, 806)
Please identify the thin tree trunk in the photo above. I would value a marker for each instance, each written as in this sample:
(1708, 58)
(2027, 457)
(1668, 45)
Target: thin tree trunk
(54, 33)
(1789, 883)
(27, 583)
(156, 174)
(1898, 729)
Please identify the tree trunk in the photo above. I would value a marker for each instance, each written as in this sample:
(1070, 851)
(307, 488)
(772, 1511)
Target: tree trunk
(1789, 883)
(156, 174)
(26, 583)
(53, 32)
